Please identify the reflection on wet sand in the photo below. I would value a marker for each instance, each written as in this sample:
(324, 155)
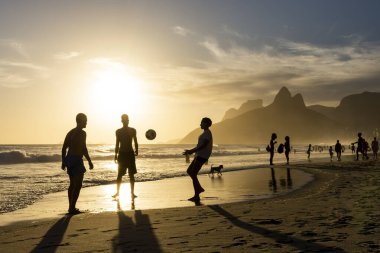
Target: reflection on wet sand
(284, 183)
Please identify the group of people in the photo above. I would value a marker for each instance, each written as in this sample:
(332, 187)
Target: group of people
(74, 148)
(284, 148)
(338, 149)
(363, 147)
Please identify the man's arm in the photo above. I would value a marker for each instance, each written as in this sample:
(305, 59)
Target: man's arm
(198, 147)
(136, 143)
(86, 152)
(64, 148)
(117, 146)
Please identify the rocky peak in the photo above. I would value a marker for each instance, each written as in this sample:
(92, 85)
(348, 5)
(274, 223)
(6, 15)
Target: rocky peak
(283, 96)
(298, 100)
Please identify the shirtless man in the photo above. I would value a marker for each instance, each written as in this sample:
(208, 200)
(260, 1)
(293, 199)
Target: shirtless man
(75, 142)
(202, 152)
(125, 155)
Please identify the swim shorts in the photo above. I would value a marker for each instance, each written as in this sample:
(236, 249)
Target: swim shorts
(74, 165)
(126, 160)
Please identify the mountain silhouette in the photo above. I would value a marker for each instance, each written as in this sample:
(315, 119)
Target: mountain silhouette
(245, 107)
(287, 115)
(358, 112)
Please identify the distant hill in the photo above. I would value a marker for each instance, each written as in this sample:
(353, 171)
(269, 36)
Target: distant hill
(325, 110)
(245, 107)
(287, 115)
(359, 112)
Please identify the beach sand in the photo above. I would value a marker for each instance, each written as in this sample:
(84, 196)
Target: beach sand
(336, 212)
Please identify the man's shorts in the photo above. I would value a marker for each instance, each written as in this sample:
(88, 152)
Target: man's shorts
(74, 164)
(126, 160)
(196, 165)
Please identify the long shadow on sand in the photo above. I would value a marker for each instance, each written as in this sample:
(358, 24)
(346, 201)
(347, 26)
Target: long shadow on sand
(278, 237)
(137, 236)
(53, 237)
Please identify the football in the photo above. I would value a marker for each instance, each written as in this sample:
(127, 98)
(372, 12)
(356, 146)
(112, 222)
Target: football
(150, 134)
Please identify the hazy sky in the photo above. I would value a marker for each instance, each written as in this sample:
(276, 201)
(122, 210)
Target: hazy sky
(169, 63)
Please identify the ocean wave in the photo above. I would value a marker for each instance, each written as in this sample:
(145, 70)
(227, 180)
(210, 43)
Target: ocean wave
(20, 156)
(16, 156)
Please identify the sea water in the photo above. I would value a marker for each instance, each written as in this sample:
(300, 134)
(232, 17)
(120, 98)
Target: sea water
(28, 172)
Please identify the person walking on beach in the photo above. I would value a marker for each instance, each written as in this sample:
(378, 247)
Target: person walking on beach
(125, 156)
(375, 148)
(75, 142)
(338, 150)
(287, 148)
(308, 152)
(202, 152)
(271, 147)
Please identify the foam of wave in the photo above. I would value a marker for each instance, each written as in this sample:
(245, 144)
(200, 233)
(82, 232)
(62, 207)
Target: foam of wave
(19, 156)
(16, 156)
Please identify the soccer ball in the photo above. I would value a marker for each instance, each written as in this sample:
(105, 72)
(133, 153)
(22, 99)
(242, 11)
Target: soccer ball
(150, 134)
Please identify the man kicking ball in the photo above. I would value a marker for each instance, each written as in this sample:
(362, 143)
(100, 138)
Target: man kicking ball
(202, 152)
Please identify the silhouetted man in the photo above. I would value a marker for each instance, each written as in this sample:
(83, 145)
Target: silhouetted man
(360, 148)
(287, 148)
(75, 142)
(271, 147)
(202, 152)
(375, 148)
(338, 150)
(125, 155)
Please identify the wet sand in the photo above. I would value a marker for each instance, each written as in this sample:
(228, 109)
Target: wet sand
(336, 212)
(236, 186)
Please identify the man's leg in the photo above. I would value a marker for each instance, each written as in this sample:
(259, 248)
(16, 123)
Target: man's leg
(77, 186)
(70, 191)
(121, 170)
(118, 183)
(132, 183)
(193, 170)
(271, 158)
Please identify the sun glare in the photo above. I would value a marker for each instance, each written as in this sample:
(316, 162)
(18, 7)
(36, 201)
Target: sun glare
(116, 91)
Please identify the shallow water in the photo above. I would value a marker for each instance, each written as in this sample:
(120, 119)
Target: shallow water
(28, 172)
(232, 186)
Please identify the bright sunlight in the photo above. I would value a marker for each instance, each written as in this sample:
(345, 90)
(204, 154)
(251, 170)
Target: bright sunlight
(115, 90)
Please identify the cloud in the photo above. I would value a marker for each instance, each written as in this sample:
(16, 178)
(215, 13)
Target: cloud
(64, 56)
(15, 46)
(182, 31)
(15, 74)
(235, 72)
(234, 33)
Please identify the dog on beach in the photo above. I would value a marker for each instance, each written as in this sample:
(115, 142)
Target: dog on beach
(216, 169)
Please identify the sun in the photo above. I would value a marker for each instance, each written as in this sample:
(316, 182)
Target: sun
(116, 91)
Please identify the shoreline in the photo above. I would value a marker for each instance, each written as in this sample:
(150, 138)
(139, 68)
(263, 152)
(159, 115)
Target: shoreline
(232, 186)
(336, 212)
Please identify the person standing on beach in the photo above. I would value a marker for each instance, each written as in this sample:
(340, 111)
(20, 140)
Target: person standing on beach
(202, 152)
(338, 150)
(308, 152)
(360, 147)
(287, 148)
(75, 142)
(375, 148)
(271, 147)
(125, 156)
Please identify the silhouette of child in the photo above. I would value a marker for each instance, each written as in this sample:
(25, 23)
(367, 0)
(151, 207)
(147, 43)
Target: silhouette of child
(331, 153)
